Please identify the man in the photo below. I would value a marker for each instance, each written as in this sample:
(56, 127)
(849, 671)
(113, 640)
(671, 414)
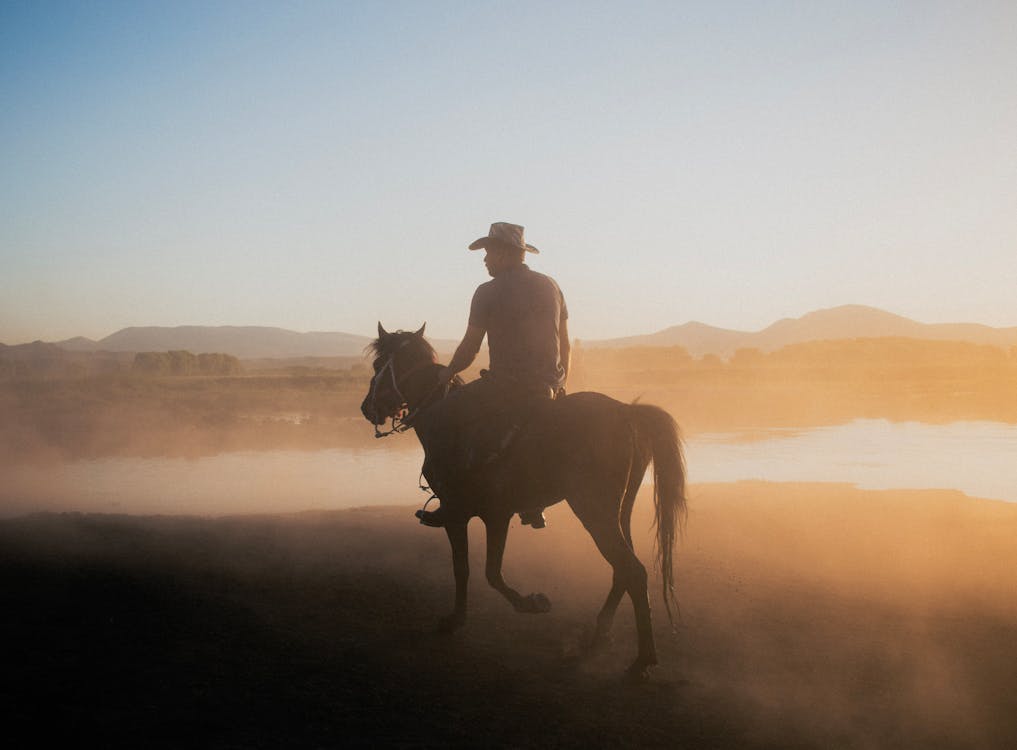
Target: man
(524, 317)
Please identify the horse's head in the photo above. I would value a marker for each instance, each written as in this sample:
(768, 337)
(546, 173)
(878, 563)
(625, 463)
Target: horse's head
(397, 357)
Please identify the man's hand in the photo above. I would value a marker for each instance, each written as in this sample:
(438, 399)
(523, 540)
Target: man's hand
(445, 375)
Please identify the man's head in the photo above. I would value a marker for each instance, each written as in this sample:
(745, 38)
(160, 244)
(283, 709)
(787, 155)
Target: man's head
(500, 257)
(505, 247)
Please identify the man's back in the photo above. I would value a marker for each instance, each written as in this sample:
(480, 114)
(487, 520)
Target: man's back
(522, 310)
(524, 317)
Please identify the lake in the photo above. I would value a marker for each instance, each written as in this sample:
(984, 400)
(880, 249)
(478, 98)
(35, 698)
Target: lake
(978, 458)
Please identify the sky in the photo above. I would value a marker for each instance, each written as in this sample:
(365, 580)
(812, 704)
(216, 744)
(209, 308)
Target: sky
(321, 166)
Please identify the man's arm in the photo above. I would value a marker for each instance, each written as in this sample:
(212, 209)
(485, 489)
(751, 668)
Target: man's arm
(466, 352)
(564, 346)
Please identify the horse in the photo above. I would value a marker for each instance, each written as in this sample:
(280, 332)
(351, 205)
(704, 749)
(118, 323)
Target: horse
(585, 448)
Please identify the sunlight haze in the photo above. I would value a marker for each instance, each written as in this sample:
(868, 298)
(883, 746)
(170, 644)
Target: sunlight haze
(321, 166)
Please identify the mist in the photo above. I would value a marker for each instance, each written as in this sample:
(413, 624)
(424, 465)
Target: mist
(811, 615)
(242, 551)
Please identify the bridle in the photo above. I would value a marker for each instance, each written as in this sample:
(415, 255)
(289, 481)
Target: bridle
(402, 420)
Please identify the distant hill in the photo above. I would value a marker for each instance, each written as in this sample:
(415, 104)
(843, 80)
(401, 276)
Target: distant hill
(37, 350)
(79, 344)
(244, 342)
(249, 342)
(41, 359)
(844, 322)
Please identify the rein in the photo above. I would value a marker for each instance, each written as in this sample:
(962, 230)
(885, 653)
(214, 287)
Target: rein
(402, 422)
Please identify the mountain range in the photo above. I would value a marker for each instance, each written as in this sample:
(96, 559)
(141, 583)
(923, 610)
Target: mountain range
(245, 342)
(844, 322)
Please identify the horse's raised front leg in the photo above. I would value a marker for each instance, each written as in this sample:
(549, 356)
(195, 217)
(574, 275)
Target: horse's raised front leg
(460, 542)
(497, 534)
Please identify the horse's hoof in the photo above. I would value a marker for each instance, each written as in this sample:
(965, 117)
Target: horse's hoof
(451, 623)
(534, 604)
(639, 672)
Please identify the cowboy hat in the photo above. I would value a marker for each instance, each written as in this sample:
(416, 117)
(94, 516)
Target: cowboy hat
(504, 234)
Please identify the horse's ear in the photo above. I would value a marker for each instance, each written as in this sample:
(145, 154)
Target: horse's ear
(382, 333)
(421, 331)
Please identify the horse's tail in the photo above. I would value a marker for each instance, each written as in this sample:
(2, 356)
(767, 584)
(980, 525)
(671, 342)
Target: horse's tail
(659, 433)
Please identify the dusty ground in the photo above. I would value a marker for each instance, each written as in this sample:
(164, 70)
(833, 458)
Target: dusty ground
(812, 616)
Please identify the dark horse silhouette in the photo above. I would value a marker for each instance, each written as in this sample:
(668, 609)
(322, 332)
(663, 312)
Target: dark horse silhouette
(586, 448)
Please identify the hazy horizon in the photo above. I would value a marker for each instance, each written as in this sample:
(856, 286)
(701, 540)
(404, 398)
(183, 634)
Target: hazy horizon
(320, 167)
(368, 334)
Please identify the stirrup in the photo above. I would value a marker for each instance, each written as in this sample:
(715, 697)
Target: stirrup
(433, 518)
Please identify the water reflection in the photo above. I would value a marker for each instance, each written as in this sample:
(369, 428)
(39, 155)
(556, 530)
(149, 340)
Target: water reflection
(974, 457)
(977, 458)
(240, 482)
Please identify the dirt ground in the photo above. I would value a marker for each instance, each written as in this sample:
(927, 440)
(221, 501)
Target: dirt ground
(812, 616)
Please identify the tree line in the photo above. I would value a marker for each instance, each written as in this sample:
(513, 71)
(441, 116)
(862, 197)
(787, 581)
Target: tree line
(184, 363)
(844, 359)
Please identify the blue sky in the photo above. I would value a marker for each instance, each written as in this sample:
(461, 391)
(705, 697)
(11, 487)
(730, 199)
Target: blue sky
(318, 166)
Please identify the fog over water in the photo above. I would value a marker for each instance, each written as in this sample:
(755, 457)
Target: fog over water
(973, 457)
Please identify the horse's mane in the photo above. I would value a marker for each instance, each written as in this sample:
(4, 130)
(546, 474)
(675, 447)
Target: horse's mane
(384, 346)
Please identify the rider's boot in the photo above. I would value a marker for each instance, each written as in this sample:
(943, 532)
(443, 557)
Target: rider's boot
(432, 518)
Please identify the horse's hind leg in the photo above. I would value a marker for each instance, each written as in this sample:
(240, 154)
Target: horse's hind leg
(602, 521)
(605, 618)
(497, 534)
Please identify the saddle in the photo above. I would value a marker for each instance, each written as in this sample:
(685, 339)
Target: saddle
(478, 424)
(470, 434)
(504, 406)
